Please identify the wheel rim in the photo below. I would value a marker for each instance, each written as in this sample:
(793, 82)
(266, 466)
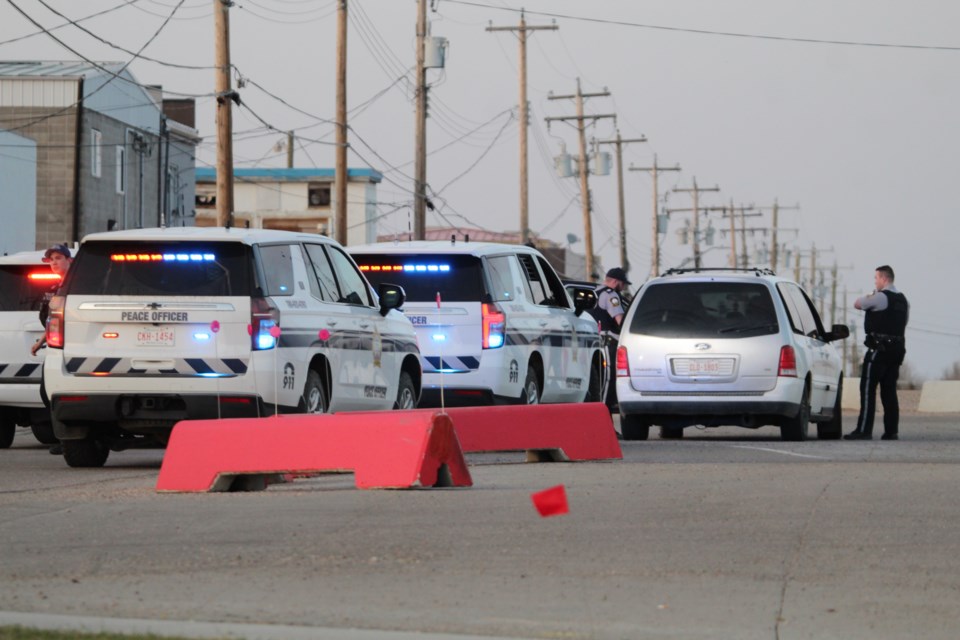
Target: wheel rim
(315, 401)
(531, 393)
(405, 401)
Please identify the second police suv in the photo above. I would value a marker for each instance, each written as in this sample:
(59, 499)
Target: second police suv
(159, 325)
(494, 321)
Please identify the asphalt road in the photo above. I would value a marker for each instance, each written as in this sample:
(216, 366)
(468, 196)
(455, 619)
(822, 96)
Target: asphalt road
(728, 533)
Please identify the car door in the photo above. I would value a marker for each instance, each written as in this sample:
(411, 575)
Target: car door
(818, 353)
(571, 360)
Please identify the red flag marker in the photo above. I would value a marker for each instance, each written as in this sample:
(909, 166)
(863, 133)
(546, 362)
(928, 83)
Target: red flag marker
(438, 299)
(215, 326)
(275, 331)
(324, 335)
(551, 502)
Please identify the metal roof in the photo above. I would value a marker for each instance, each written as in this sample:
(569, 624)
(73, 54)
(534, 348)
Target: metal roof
(56, 68)
(209, 174)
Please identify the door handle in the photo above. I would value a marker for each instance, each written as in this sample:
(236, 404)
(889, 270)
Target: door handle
(365, 326)
(544, 323)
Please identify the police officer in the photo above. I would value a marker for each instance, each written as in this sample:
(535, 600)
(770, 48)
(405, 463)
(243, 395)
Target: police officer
(887, 313)
(59, 258)
(609, 314)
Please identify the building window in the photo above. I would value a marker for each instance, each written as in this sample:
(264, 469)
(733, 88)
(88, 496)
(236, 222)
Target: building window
(121, 170)
(96, 139)
(318, 196)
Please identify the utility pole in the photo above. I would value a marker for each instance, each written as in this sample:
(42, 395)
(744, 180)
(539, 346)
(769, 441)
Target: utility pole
(524, 120)
(221, 24)
(624, 261)
(289, 149)
(775, 226)
(420, 153)
(695, 190)
(340, 169)
(655, 172)
(584, 186)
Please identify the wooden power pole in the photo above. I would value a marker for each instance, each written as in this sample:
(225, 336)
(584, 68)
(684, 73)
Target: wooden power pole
(221, 23)
(420, 153)
(654, 172)
(696, 191)
(340, 169)
(624, 260)
(524, 120)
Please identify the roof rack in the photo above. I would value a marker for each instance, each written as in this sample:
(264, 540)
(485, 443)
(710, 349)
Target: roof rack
(758, 271)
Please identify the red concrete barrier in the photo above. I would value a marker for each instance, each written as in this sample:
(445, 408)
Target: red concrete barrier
(582, 431)
(395, 449)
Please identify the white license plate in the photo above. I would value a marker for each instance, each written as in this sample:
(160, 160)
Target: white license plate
(702, 366)
(156, 337)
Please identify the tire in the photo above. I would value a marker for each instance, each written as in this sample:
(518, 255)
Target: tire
(88, 452)
(8, 429)
(671, 433)
(595, 385)
(795, 429)
(833, 428)
(315, 394)
(43, 432)
(531, 388)
(634, 428)
(406, 393)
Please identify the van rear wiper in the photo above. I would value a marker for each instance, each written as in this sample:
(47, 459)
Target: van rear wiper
(753, 327)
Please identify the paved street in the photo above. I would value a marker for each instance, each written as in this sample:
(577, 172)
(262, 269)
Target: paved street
(728, 533)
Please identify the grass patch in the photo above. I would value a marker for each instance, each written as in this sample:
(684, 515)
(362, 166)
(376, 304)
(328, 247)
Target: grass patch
(25, 633)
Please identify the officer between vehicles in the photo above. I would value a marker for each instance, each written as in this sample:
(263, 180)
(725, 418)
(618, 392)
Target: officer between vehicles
(59, 258)
(609, 313)
(885, 324)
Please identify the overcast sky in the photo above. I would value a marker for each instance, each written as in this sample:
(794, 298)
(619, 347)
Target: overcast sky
(847, 109)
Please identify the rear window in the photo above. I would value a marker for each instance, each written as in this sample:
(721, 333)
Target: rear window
(701, 309)
(22, 286)
(161, 269)
(457, 278)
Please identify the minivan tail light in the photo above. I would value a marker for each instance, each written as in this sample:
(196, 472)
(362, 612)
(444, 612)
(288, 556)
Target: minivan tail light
(788, 362)
(263, 318)
(623, 363)
(494, 325)
(54, 336)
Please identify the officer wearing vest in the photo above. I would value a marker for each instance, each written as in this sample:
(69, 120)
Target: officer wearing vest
(887, 313)
(609, 314)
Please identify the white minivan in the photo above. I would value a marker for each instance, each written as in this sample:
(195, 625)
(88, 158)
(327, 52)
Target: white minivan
(154, 326)
(495, 323)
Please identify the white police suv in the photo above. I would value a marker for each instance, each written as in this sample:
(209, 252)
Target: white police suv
(24, 280)
(494, 322)
(717, 347)
(159, 325)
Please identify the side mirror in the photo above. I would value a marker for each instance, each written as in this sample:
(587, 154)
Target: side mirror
(391, 296)
(583, 300)
(837, 332)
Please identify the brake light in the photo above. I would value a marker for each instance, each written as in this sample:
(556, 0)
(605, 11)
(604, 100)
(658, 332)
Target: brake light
(43, 277)
(623, 363)
(494, 324)
(55, 332)
(263, 317)
(788, 362)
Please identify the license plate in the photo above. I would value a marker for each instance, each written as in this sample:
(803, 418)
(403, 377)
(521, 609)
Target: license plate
(702, 366)
(156, 337)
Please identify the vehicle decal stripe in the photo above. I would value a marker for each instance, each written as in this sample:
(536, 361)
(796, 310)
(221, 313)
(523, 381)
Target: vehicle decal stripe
(26, 370)
(106, 365)
(182, 367)
(21, 372)
(199, 365)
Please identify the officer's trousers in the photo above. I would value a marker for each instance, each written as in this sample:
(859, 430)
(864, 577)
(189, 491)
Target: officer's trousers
(876, 371)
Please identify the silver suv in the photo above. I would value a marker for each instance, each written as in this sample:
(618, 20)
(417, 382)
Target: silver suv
(717, 347)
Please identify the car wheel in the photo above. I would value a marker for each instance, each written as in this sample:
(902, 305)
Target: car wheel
(634, 428)
(531, 389)
(314, 394)
(43, 432)
(8, 429)
(795, 429)
(595, 386)
(406, 393)
(88, 452)
(833, 428)
(671, 433)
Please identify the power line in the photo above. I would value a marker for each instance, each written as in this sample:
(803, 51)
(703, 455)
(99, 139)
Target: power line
(73, 22)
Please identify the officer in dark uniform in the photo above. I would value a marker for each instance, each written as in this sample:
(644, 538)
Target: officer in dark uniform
(885, 325)
(609, 314)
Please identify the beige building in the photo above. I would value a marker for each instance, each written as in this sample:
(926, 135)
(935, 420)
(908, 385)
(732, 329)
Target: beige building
(293, 200)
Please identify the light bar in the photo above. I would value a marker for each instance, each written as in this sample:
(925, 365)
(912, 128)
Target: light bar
(409, 268)
(163, 257)
(43, 276)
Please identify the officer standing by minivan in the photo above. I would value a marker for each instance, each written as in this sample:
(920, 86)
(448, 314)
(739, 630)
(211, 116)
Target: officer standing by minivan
(609, 313)
(887, 313)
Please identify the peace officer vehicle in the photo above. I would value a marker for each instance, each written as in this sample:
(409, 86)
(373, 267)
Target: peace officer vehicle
(494, 322)
(24, 280)
(727, 347)
(159, 325)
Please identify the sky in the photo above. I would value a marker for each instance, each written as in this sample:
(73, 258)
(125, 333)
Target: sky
(845, 113)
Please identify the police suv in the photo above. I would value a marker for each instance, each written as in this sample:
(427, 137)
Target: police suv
(494, 322)
(24, 280)
(159, 325)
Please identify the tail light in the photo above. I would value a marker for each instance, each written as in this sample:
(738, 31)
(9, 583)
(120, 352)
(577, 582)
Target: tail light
(788, 363)
(623, 363)
(494, 323)
(54, 335)
(263, 317)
